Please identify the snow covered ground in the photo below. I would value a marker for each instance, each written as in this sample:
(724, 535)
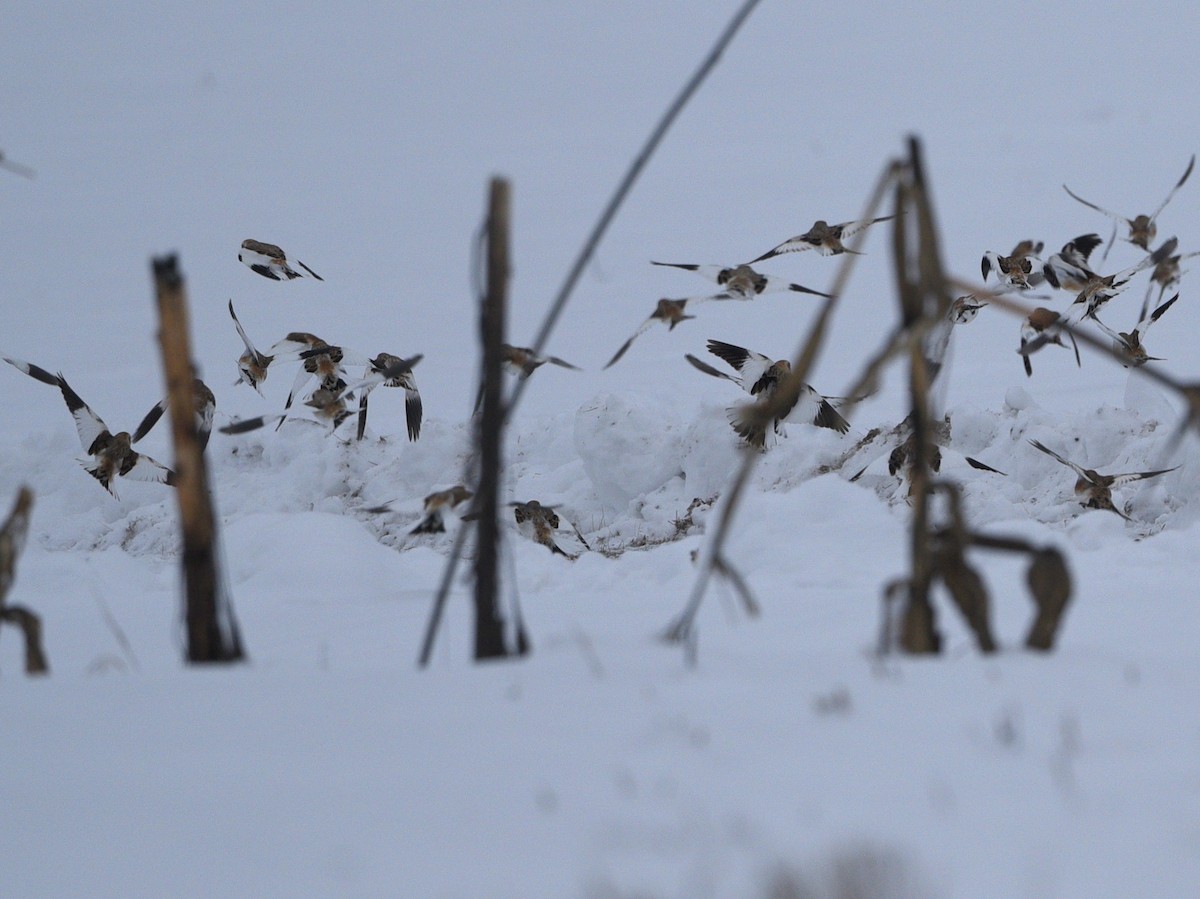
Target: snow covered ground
(790, 761)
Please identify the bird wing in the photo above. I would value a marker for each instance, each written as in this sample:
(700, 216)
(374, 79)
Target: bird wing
(709, 370)
(148, 470)
(32, 370)
(711, 272)
(1118, 480)
(1078, 469)
(1100, 209)
(849, 229)
(642, 329)
(251, 424)
(554, 360)
(1178, 184)
(412, 411)
(246, 340)
(91, 427)
(797, 244)
(787, 285)
(151, 420)
(1154, 316)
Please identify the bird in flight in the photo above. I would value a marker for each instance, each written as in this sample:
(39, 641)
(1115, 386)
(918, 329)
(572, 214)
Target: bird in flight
(271, 262)
(823, 237)
(1094, 490)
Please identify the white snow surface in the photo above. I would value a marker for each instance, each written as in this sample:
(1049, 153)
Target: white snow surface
(790, 760)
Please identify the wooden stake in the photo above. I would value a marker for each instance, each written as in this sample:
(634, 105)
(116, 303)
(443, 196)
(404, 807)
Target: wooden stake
(212, 634)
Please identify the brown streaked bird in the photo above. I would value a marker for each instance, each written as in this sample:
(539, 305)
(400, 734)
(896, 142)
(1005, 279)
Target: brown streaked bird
(522, 362)
(386, 370)
(1094, 490)
(741, 282)
(271, 262)
(111, 455)
(252, 365)
(437, 506)
(318, 359)
(669, 312)
(823, 237)
(1129, 345)
(1142, 228)
(1167, 275)
(204, 405)
(1097, 290)
(539, 523)
(1021, 269)
(963, 309)
(1043, 326)
(760, 376)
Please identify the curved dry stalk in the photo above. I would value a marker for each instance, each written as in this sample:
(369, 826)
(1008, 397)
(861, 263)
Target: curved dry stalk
(681, 630)
(627, 182)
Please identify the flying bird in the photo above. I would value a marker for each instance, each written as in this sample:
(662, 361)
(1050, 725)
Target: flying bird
(540, 523)
(669, 312)
(1142, 228)
(1167, 275)
(110, 455)
(522, 362)
(1094, 490)
(823, 237)
(318, 359)
(741, 282)
(1043, 326)
(1068, 268)
(271, 262)
(1097, 290)
(1020, 270)
(386, 370)
(437, 506)
(252, 365)
(761, 377)
(204, 405)
(1129, 345)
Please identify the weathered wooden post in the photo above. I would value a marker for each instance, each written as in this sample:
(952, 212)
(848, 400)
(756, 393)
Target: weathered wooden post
(212, 632)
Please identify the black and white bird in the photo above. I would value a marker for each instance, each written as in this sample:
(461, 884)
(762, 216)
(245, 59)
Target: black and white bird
(1129, 345)
(1093, 291)
(1094, 490)
(1142, 228)
(438, 506)
(1043, 326)
(1019, 270)
(110, 456)
(760, 376)
(252, 365)
(741, 282)
(823, 237)
(543, 525)
(318, 359)
(204, 404)
(386, 370)
(271, 262)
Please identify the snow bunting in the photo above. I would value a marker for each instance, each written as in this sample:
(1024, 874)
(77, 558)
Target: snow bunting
(1167, 275)
(1068, 268)
(670, 312)
(111, 455)
(740, 282)
(437, 506)
(318, 358)
(271, 262)
(1129, 345)
(386, 370)
(1043, 326)
(252, 365)
(1094, 490)
(760, 376)
(204, 404)
(1096, 290)
(823, 237)
(1021, 269)
(522, 362)
(964, 309)
(1142, 228)
(539, 523)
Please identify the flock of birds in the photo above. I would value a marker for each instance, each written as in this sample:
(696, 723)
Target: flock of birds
(111, 456)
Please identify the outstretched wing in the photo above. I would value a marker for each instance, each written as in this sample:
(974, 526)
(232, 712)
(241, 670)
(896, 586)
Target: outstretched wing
(147, 469)
(749, 364)
(242, 333)
(150, 420)
(251, 424)
(32, 370)
(849, 229)
(1178, 184)
(89, 425)
(1130, 477)
(1100, 209)
(797, 244)
(709, 370)
(412, 410)
(1078, 469)
(642, 329)
(554, 360)
(1145, 323)
(711, 272)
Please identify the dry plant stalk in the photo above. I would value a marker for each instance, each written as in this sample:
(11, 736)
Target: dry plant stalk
(713, 558)
(12, 541)
(212, 633)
